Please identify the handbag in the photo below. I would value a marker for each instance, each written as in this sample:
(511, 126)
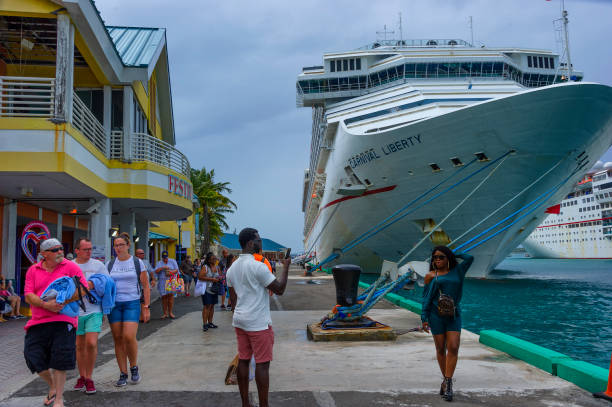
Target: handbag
(175, 285)
(200, 287)
(215, 288)
(446, 304)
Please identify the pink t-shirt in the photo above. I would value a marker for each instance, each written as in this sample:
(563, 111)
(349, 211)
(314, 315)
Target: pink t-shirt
(38, 279)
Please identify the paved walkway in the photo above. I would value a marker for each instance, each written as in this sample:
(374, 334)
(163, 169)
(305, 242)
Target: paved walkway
(183, 366)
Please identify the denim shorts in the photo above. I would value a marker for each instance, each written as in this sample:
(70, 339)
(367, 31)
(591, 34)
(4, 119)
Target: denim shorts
(210, 299)
(125, 311)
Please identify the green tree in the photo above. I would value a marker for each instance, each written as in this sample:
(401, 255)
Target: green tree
(214, 205)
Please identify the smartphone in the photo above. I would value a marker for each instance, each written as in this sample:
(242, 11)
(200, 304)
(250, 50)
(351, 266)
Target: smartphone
(288, 253)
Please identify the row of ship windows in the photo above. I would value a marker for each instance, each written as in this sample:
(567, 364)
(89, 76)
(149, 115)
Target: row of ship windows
(430, 70)
(352, 64)
(540, 62)
(581, 224)
(584, 232)
(574, 240)
(589, 208)
(599, 177)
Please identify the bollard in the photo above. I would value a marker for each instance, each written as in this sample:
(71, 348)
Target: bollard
(606, 395)
(346, 278)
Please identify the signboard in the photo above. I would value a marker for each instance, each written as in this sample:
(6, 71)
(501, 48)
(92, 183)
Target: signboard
(98, 253)
(179, 187)
(186, 239)
(33, 233)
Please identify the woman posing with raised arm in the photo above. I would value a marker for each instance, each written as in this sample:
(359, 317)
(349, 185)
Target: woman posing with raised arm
(441, 312)
(132, 285)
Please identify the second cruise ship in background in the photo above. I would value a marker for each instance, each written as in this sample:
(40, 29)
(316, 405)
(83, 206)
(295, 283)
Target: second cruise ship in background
(399, 121)
(580, 227)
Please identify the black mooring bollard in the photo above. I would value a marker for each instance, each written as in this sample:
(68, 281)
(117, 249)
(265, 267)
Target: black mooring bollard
(346, 278)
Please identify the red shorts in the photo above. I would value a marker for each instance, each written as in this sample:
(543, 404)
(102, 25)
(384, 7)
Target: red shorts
(259, 343)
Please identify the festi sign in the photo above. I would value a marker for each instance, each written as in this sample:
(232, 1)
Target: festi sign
(179, 187)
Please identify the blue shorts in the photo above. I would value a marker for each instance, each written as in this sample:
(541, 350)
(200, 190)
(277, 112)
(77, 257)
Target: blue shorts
(440, 325)
(125, 311)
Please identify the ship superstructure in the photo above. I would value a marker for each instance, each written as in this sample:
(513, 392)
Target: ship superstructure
(393, 119)
(581, 225)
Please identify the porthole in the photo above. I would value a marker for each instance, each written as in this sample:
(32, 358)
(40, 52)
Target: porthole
(481, 156)
(435, 167)
(456, 162)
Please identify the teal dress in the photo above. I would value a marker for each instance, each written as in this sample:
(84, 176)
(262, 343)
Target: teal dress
(451, 284)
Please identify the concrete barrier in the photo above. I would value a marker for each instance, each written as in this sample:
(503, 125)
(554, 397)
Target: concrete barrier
(531, 353)
(582, 374)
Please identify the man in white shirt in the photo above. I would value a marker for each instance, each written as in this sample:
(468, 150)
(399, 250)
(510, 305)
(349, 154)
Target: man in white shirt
(90, 321)
(249, 281)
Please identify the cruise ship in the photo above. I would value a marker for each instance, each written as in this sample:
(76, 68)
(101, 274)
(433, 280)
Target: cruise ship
(580, 227)
(436, 138)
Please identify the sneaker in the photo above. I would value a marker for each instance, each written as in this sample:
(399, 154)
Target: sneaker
(89, 386)
(80, 384)
(211, 325)
(122, 380)
(205, 327)
(135, 376)
(187, 295)
(222, 306)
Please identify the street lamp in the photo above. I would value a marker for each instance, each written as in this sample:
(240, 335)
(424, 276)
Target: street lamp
(179, 222)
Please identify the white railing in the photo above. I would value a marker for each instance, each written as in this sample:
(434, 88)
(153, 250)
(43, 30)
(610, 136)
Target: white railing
(26, 97)
(84, 120)
(143, 147)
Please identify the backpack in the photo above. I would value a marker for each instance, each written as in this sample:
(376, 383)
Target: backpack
(137, 267)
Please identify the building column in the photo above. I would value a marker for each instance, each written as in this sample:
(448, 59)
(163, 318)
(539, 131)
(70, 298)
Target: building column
(59, 227)
(142, 232)
(64, 70)
(9, 238)
(100, 225)
(128, 121)
(106, 120)
(127, 224)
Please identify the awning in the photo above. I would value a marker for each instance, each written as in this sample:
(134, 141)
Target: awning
(159, 236)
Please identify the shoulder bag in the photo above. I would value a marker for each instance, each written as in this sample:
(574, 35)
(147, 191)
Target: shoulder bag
(446, 304)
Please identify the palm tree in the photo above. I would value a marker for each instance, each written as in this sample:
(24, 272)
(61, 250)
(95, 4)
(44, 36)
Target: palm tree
(213, 206)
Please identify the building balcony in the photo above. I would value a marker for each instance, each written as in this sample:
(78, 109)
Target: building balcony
(23, 97)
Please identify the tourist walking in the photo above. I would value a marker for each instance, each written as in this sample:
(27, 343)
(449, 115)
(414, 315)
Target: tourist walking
(248, 281)
(50, 341)
(132, 282)
(440, 311)
(210, 274)
(140, 253)
(186, 272)
(166, 268)
(90, 320)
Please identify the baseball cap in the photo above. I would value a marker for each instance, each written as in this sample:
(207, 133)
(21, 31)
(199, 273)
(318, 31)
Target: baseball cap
(49, 243)
(164, 254)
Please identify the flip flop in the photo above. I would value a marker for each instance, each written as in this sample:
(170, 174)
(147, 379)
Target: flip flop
(49, 400)
(173, 316)
(164, 317)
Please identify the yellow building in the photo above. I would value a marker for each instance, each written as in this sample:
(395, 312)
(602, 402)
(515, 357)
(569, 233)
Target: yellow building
(86, 134)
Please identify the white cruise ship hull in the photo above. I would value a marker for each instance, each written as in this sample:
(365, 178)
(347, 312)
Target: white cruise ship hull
(542, 126)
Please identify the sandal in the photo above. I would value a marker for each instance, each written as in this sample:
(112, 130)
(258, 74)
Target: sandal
(164, 317)
(49, 400)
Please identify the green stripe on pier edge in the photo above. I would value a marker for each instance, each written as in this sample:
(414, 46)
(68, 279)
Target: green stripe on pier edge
(589, 377)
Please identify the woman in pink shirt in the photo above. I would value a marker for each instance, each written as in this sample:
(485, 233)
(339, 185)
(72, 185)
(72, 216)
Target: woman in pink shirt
(50, 342)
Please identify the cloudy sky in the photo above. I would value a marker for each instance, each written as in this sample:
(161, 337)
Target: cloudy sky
(233, 67)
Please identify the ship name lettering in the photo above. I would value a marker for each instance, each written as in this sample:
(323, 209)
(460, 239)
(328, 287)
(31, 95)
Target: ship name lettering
(363, 158)
(401, 144)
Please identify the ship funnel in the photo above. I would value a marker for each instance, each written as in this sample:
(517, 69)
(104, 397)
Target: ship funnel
(346, 278)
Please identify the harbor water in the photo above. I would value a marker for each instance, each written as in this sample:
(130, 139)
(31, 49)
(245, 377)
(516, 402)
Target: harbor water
(564, 305)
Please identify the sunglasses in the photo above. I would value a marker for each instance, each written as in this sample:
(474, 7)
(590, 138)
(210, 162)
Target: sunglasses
(55, 249)
(439, 257)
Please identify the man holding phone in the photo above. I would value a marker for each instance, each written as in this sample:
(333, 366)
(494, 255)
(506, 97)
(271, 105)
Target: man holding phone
(248, 281)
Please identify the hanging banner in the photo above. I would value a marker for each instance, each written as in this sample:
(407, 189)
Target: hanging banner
(34, 232)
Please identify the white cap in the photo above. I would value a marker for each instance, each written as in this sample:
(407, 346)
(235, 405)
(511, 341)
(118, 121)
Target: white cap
(49, 243)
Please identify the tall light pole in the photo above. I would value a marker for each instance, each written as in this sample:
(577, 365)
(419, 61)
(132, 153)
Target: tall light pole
(179, 222)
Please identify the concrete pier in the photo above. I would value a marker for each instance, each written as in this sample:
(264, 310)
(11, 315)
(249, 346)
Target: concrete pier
(183, 366)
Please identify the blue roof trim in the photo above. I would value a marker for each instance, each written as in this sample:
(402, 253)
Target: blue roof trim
(136, 46)
(230, 240)
(153, 235)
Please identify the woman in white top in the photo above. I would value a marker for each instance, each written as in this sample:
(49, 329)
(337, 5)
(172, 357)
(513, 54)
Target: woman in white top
(209, 274)
(125, 314)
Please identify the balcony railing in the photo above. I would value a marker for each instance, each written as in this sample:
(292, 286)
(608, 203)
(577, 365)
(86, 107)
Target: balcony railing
(144, 147)
(26, 97)
(84, 120)
(34, 97)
